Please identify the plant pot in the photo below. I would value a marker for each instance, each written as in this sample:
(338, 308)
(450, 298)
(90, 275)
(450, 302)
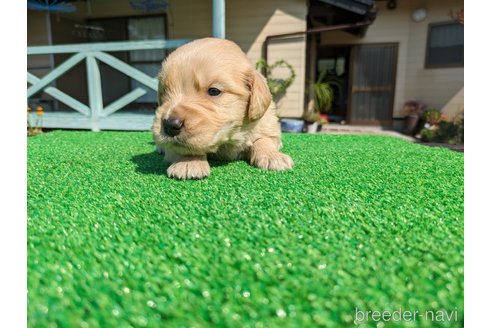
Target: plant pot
(312, 127)
(411, 123)
(291, 125)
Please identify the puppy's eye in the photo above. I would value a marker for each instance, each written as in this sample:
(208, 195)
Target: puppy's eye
(214, 92)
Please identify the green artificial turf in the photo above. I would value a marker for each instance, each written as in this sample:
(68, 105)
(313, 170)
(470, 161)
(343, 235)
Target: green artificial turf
(367, 222)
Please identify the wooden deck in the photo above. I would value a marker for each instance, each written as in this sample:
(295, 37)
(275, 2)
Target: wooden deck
(130, 121)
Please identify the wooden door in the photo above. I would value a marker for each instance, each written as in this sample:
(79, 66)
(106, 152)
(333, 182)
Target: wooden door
(373, 75)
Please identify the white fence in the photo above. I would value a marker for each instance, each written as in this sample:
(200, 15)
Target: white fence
(95, 115)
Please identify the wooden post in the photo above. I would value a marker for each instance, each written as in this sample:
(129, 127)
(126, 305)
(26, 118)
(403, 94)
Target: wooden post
(218, 18)
(95, 90)
(313, 54)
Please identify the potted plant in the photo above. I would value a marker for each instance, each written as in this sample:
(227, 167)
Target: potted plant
(413, 110)
(438, 129)
(444, 132)
(312, 120)
(322, 101)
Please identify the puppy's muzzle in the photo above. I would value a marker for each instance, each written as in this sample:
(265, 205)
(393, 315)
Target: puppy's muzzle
(172, 126)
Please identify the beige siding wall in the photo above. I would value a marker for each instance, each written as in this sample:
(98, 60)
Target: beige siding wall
(433, 86)
(248, 23)
(455, 106)
(190, 19)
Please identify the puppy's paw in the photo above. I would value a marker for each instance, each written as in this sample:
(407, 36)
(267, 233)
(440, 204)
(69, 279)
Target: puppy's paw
(273, 161)
(189, 169)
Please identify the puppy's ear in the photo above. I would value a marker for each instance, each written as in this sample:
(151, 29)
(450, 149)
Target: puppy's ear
(259, 97)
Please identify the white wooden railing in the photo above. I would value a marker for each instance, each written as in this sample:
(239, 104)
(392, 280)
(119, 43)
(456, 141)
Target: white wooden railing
(92, 53)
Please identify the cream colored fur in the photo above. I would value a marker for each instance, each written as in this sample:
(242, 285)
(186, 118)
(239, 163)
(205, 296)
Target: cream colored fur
(237, 124)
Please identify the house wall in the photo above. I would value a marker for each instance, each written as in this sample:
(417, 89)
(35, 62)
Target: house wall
(434, 86)
(248, 23)
(455, 107)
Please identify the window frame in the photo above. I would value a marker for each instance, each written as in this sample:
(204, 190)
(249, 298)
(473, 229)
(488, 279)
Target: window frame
(128, 18)
(126, 54)
(428, 65)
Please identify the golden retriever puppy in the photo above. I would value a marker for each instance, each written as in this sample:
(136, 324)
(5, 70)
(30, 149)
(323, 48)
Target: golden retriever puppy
(213, 103)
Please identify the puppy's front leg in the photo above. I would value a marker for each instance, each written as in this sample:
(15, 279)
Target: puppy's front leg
(265, 155)
(187, 167)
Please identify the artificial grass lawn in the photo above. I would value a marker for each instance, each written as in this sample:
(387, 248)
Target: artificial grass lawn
(370, 222)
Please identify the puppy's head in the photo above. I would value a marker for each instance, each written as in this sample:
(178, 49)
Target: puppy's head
(207, 90)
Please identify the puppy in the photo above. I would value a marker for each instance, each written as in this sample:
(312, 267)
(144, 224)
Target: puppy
(214, 104)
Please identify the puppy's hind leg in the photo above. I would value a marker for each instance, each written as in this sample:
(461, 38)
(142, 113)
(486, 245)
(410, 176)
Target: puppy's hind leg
(265, 155)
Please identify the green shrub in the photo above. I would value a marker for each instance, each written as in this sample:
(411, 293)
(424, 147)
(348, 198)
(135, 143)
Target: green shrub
(432, 116)
(428, 135)
(446, 132)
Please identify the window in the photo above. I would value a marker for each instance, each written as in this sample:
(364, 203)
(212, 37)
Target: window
(147, 61)
(445, 45)
(116, 84)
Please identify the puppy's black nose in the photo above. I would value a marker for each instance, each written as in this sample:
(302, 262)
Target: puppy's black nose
(172, 126)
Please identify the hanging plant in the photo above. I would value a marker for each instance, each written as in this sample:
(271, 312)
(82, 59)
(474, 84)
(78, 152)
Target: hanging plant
(277, 86)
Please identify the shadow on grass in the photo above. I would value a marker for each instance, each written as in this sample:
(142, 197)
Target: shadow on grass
(150, 163)
(154, 163)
